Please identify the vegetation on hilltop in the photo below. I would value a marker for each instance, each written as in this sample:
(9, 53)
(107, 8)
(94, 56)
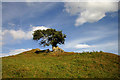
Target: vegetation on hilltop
(64, 65)
(49, 37)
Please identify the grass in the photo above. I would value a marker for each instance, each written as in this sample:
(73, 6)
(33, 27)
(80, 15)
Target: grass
(61, 65)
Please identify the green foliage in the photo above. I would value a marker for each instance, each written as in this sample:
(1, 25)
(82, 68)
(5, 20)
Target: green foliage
(49, 37)
(101, 51)
(66, 65)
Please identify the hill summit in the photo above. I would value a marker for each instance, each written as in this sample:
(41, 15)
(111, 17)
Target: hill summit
(63, 65)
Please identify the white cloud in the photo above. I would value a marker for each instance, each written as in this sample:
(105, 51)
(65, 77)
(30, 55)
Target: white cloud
(78, 41)
(82, 46)
(90, 11)
(111, 46)
(20, 34)
(96, 35)
(39, 27)
(14, 52)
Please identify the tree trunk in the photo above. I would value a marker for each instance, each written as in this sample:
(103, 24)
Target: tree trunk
(54, 47)
(57, 49)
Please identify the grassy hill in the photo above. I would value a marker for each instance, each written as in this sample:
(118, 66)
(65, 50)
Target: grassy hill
(65, 65)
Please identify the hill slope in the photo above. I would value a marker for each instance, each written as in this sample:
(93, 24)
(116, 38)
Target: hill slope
(64, 65)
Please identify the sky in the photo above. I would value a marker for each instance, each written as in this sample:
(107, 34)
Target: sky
(89, 26)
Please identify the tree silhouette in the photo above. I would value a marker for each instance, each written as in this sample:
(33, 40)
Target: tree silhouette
(49, 37)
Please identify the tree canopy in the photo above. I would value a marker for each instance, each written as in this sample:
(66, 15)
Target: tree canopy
(49, 37)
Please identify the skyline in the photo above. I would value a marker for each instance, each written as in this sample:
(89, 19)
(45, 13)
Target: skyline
(89, 26)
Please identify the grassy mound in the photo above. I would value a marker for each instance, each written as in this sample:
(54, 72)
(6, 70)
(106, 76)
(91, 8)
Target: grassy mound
(61, 65)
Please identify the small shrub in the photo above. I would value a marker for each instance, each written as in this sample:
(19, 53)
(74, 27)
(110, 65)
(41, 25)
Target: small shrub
(101, 51)
(102, 65)
(91, 52)
(83, 52)
(79, 76)
(47, 73)
(94, 61)
(88, 52)
(96, 51)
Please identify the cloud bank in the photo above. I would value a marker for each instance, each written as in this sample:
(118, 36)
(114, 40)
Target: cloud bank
(82, 46)
(14, 52)
(89, 11)
(20, 34)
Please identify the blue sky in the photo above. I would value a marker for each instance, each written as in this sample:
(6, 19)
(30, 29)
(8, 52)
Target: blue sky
(88, 26)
